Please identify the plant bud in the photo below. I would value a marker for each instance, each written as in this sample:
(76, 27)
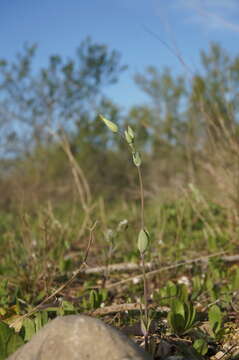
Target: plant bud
(112, 126)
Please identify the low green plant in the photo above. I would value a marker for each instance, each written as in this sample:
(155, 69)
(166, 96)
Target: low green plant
(97, 298)
(32, 325)
(182, 317)
(10, 341)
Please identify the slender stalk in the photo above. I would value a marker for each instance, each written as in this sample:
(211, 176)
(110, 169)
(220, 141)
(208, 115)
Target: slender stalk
(143, 259)
(141, 196)
(145, 288)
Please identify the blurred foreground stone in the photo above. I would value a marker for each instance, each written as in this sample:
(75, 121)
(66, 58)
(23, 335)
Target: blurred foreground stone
(80, 337)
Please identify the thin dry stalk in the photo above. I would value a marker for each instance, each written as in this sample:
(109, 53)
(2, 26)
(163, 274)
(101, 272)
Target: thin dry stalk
(82, 185)
(64, 286)
(78, 174)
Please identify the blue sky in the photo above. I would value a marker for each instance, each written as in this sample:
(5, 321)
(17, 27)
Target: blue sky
(58, 27)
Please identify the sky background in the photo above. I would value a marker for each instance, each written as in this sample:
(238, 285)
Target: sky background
(136, 28)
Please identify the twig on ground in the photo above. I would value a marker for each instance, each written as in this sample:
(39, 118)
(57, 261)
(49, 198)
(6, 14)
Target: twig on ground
(121, 267)
(119, 308)
(153, 272)
(130, 267)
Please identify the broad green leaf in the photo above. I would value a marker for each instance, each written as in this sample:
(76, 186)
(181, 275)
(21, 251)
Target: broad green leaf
(176, 316)
(137, 159)
(176, 322)
(171, 289)
(181, 316)
(29, 327)
(143, 240)
(178, 307)
(131, 132)
(112, 126)
(182, 292)
(215, 318)
(128, 137)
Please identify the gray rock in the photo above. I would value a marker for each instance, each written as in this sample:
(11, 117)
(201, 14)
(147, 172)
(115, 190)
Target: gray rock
(80, 337)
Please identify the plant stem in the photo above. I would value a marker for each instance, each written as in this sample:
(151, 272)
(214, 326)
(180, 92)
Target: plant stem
(143, 260)
(145, 288)
(141, 196)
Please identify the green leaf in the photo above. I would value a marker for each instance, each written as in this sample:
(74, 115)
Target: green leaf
(104, 294)
(190, 315)
(95, 299)
(171, 289)
(176, 322)
(44, 318)
(176, 316)
(29, 327)
(178, 307)
(201, 346)
(112, 126)
(181, 316)
(137, 158)
(14, 343)
(215, 318)
(131, 132)
(129, 135)
(92, 299)
(143, 240)
(38, 321)
(5, 334)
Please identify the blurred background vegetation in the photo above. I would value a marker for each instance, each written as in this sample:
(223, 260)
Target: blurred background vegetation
(188, 132)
